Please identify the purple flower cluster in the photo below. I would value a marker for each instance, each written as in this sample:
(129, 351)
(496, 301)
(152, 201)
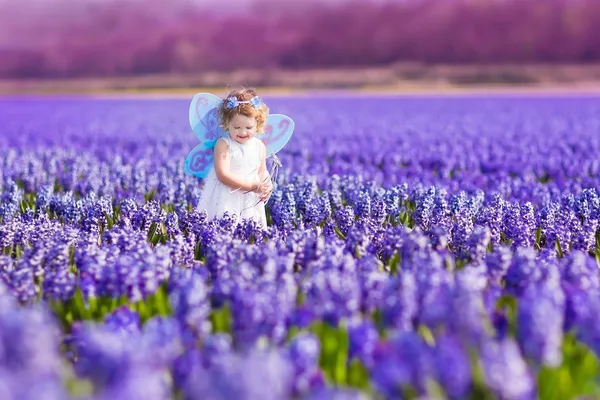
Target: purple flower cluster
(401, 258)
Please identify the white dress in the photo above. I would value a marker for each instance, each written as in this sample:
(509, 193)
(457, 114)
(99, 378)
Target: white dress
(217, 198)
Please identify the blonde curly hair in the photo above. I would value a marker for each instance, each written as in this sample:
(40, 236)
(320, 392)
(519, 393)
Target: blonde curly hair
(244, 94)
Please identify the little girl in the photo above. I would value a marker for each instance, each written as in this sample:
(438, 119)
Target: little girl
(239, 183)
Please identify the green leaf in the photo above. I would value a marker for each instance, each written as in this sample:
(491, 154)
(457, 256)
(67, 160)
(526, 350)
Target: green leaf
(378, 320)
(341, 358)
(334, 351)
(394, 262)
(358, 376)
(538, 237)
(79, 305)
(198, 253)
(160, 301)
(339, 232)
(221, 320)
(576, 377)
(292, 333)
(559, 250)
(480, 390)
(152, 231)
(426, 335)
(509, 305)
(598, 247)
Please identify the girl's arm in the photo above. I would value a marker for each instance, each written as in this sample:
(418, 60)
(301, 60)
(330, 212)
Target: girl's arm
(223, 172)
(266, 186)
(262, 169)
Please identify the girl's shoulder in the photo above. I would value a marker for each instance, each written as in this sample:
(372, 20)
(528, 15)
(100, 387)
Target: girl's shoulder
(225, 140)
(222, 142)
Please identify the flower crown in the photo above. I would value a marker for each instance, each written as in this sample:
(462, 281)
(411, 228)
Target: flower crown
(233, 102)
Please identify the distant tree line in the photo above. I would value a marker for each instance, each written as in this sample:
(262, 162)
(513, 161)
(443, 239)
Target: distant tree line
(116, 38)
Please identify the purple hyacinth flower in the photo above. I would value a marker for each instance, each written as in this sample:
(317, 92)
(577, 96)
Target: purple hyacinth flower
(403, 361)
(363, 338)
(331, 393)
(124, 321)
(505, 370)
(540, 326)
(303, 352)
(453, 369)
(255, 375)
(522, 271)
(191, 306)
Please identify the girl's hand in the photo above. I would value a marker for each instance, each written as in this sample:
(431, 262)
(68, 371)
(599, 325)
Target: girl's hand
(263, 188)
(267, 189)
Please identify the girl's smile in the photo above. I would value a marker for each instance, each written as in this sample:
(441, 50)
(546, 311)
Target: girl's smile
(242, 128)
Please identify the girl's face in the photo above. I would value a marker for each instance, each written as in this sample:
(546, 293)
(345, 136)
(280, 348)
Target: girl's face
(242, 128)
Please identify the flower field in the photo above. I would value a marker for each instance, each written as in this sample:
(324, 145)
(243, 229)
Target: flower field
(418, 247)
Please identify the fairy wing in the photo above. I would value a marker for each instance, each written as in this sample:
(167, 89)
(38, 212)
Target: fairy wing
(200, 160)
(204, 117)
(204, 121)
(278, 131)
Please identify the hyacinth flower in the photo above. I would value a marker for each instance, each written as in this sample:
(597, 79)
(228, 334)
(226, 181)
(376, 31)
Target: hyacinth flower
(305, 246)
(581, 315)
(6, 265)
(42, 199)
(123, 321)
(333, 393)
(491, 215)
(460, 233)
(469, 304)
(357, 241)
(373, 280)
(30, 356)
(424, 209)
(332, 289)
(59, 284)
(498, 262)
(522, 271)
(540, 325)
(258, 374)
(547, 219)
(90, 265)
(579, 270)
(452, 367)
(457, 309)
(566, 227)
(391, 243)
(114, 360)
(165, 338)
(345, 219)
(255, 316)
(194, 359)
(11, 197)
(303, 352)
(306, 193)
(190, 304)
(400, 302)
(363, 338)
(477, 243)
(505, 372)
(21, 282)
(284, 211)
(441, 218)
(402, 365)
(585, 238)
(362, 206)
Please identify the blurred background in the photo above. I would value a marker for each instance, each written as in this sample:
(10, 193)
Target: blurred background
(94, 45)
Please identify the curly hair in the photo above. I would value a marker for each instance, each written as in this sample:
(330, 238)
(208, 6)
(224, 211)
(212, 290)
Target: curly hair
(243, 94)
